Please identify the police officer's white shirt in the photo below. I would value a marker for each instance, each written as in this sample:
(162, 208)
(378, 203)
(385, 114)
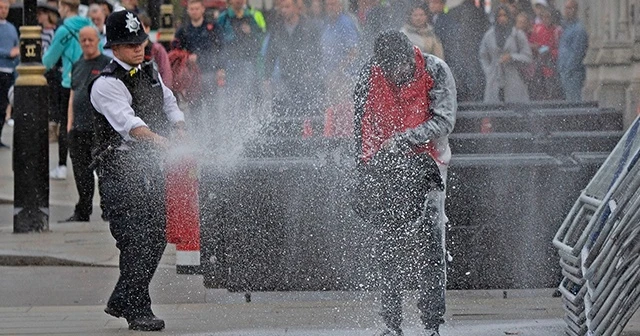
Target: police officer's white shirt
(111, 98)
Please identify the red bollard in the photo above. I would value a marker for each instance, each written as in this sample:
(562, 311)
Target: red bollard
(183, 214)
(307, 129)
(485, 125)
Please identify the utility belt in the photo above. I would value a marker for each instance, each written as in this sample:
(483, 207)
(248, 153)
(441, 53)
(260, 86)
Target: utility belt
(101, 155)
(105, 154)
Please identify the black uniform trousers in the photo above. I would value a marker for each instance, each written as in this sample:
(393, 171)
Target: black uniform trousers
(132, 191)
(80, 145)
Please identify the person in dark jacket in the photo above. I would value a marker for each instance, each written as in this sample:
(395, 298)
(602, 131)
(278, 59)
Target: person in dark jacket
(202, 38)
(447, 30)
(294, 46)
(80, 120)
(65, 47)
(472, 23)
(136, 115)
(405, 107)
(242, 40)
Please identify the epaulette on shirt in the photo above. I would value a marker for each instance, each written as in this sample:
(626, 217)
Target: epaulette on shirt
(110, 69)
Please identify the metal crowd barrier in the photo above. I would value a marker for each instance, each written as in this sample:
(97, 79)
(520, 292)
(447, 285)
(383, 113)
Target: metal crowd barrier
(599, 245)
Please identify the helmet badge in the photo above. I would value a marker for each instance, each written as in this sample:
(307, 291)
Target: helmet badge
(132, 23)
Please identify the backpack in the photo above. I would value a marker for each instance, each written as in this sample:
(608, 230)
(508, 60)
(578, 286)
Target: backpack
(186, 75)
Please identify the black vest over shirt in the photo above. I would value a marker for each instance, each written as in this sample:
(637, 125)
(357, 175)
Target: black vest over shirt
(147, 103)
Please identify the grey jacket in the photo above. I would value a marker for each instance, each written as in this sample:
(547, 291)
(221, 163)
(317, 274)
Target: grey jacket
(443, 109)
(505, 76)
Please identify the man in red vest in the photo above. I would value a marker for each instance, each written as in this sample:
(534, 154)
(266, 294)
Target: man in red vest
(405, 107)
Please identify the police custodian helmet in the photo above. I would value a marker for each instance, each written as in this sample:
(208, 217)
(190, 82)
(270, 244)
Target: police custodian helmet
(124, 27)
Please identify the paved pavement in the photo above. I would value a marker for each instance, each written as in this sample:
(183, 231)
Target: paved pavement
(474, 313)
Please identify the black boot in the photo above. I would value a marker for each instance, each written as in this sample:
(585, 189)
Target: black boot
(75, 218)
(146, 323)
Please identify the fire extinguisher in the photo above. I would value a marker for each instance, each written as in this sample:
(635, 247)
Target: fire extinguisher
(183, 214)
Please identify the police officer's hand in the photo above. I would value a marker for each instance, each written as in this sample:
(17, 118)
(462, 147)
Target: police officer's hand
(143, 133)
(179, 133)
(161, 142)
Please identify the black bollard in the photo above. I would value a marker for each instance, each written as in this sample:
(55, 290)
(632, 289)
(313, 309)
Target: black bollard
(30, 138)
(166, 30)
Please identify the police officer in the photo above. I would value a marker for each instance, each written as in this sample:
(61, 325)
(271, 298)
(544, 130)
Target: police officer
(136, 115)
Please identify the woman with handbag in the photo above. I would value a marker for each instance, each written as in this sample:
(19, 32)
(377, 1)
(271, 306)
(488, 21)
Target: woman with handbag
(504, 50)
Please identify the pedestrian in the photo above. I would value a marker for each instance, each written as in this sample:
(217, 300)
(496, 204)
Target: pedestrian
(80, 120)
(238, 98)
(98, 15)
(420, 32)
(373, 17)
(294, 46)
(242, 40)
(136, 115)
(66, 46)
(556, 14)
(202, 38)
(473, 23)
(447, 29)
(503, 51)
(155, 52)
(48, 18)
(405, 103)
(107, 7)
(544, 41)
(572, 49)
(341, 48)
(9, 55)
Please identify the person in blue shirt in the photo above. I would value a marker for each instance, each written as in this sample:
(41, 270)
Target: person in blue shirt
(339, 43)
(571, 52)
(66, 46)
(9, 54)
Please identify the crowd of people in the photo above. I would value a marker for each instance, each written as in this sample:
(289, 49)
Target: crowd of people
(307, 54)
(534, 57)
(303, 56)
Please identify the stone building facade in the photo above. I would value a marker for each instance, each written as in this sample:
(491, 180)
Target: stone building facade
(613, 59)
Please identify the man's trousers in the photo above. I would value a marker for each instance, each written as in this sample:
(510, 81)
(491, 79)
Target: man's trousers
(80, 145)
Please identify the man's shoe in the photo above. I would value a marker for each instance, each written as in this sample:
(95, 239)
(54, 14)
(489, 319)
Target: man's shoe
(430, 332)
(75, 218)
(113, 312)
(384, 331)
(147, 323)
(58, 173)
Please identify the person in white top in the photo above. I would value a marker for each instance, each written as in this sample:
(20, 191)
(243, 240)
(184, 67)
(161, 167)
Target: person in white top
(136, 117)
